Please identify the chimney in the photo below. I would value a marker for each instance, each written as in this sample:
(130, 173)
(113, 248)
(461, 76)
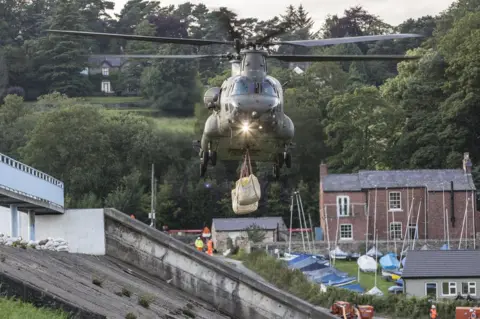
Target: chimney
(323, 170)
(467, 164)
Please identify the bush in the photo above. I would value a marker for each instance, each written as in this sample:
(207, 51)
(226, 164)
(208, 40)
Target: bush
(16, 90)
(145, 301)
(295, 282)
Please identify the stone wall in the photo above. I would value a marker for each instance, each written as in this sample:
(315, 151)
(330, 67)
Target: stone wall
(321, 247)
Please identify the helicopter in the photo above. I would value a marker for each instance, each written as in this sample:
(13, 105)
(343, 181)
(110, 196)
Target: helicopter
(247, 110)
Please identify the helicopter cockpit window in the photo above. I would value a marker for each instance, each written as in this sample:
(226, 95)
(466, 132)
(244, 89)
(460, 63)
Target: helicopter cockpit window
(268, 89)
(242, 87)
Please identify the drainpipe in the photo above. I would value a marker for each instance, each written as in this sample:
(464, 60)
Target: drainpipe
(452, 204)
(425, 210)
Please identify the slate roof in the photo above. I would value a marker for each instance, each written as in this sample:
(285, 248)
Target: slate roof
(442, 264)
(237, 224)
(432, 178)
(113, 61)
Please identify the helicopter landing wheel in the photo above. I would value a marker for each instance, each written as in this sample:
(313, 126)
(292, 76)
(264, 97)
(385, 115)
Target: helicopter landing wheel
(276, 171)
(288, 159)
(205, 157)
(213, 157)
(203, 169)
(280, 160)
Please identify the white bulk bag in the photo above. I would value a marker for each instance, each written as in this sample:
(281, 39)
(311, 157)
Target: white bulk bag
(248, 190)
(247, 187)
(242, 209)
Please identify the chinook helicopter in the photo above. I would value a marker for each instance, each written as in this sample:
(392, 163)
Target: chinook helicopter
(247, 111)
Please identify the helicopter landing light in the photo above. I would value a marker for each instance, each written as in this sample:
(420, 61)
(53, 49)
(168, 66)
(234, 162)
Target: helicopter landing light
(245, 127)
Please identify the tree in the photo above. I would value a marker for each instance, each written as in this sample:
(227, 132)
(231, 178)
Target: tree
(358, 127)
(256, 234)
(60, 58)
(127, 197)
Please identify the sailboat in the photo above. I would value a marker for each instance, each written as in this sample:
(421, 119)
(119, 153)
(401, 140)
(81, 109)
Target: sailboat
(375, 291)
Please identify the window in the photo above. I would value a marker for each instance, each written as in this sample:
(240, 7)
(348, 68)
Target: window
(412, 231)
(396, 230)
(449, 288)
(241, 87)
(105, 71)
(431, 289)
(268, 89)
(343, 204)
(469, 288)
(394, 202)
(106, 86)
(346, 231)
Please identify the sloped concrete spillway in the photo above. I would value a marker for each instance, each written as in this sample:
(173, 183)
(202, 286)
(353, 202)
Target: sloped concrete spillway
(215, 282)
(63, 280)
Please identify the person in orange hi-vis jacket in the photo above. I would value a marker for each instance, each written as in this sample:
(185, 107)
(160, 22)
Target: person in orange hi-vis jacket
(210, 247)
(433, 312)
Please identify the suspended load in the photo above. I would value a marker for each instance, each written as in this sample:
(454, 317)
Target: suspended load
(247, 187)
(246, 194)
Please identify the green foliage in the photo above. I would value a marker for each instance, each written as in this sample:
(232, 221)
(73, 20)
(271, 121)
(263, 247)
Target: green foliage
(130, 316)
(145, 301)
(295, 282)
(256, 234)
(13, 309)
(350, 115)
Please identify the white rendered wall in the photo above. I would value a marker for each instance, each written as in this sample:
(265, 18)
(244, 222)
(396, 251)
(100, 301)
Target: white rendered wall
(83, 229)
(5, 222)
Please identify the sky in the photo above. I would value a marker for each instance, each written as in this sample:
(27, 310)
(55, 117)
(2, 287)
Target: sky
(393, 12)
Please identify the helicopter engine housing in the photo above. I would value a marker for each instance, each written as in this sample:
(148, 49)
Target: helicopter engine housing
(210, 98)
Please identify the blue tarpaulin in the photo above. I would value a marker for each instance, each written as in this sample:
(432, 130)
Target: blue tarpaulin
(445, 247)
(297, 259)
(389, 262)
(354, 287)
(335, 280)
(399, 282)
(309, 264)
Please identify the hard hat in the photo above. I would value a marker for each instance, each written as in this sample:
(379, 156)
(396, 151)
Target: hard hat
(433, 307)
(471, 309)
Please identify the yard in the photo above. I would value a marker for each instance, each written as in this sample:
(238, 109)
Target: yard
(367, 280)
(10, 309)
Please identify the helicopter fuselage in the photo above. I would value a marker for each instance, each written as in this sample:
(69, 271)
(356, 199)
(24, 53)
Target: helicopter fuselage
(248, 114)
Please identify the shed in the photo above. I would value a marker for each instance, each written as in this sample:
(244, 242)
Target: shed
(442, 273)
(237, 228)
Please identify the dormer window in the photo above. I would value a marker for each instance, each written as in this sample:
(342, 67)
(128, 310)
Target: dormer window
(105, 71)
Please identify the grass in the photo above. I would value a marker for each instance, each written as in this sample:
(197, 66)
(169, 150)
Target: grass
(367, 280)
(166, 124)
(10, 309)
(113, 99)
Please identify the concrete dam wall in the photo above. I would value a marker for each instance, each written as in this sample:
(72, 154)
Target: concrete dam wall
(208, 278)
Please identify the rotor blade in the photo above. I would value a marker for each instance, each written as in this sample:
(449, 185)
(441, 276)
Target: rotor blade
(365, 38)
(325, 58)
(157, 56)
(141, 37)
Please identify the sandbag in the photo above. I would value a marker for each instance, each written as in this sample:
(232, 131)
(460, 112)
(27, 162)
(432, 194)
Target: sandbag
(242, 209)
(248, 190)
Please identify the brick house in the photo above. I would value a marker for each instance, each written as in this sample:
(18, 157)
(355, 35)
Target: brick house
(347, 204)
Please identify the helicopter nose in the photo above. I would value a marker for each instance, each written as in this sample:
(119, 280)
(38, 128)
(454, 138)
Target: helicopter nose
(254, 104)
